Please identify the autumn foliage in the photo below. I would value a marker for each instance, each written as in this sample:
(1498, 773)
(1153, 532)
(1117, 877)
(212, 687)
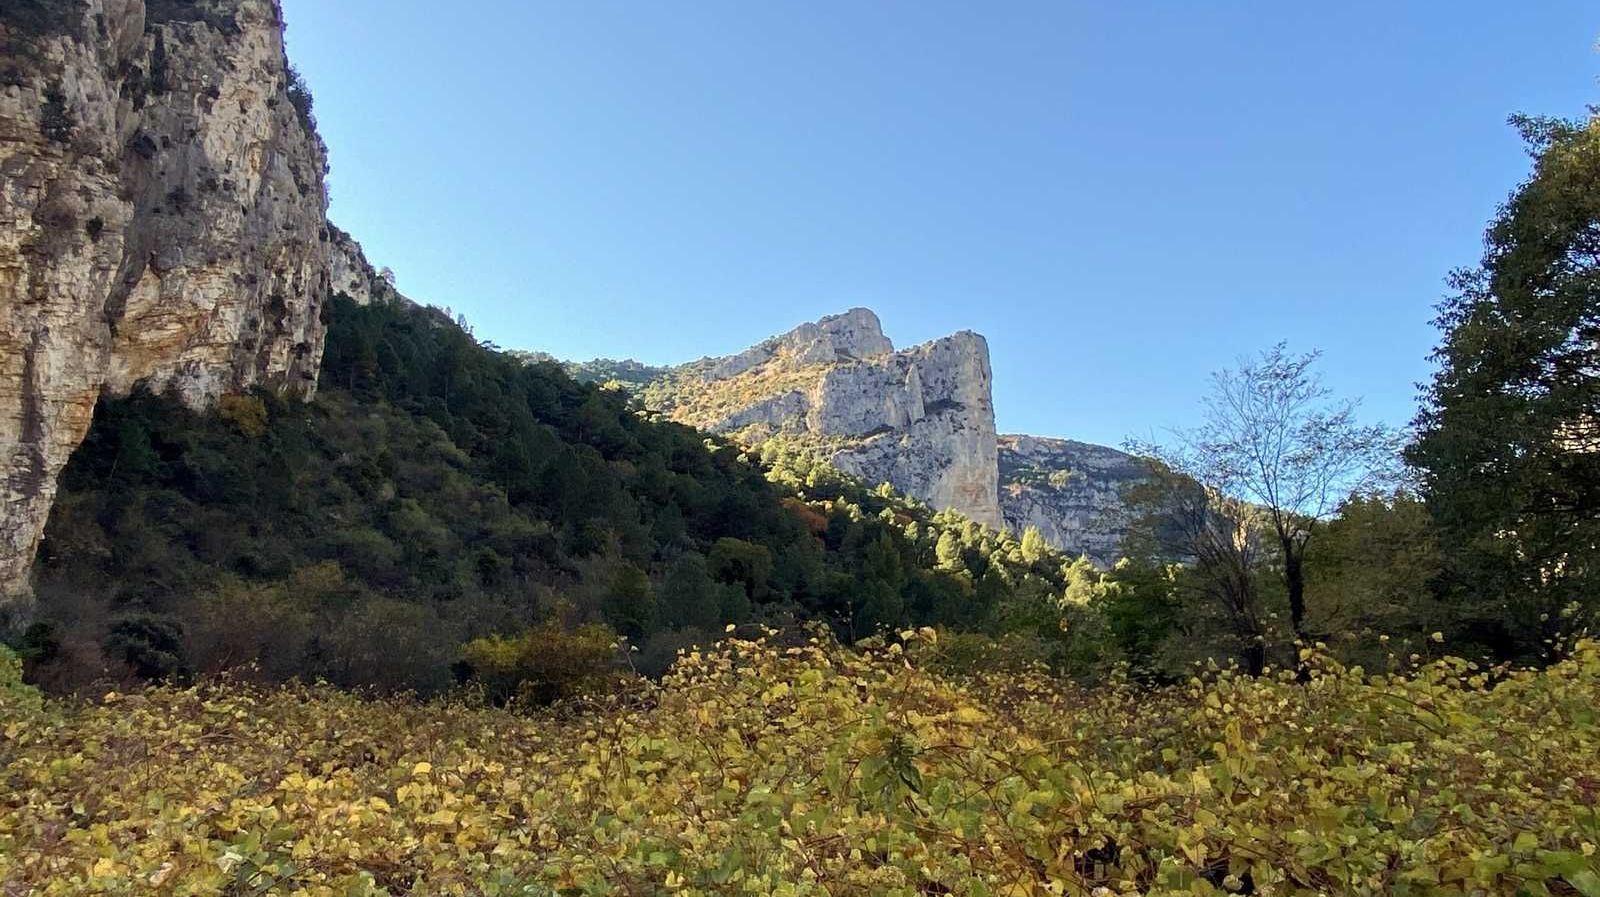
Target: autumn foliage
(756, 768)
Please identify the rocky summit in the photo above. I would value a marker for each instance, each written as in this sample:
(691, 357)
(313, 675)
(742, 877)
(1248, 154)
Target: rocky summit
(920, 419)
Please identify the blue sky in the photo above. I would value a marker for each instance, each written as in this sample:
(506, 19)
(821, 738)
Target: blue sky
(1121, 196)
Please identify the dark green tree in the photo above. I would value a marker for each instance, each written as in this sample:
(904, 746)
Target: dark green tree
(1371, 573)
(1508, 442)
(690, 597)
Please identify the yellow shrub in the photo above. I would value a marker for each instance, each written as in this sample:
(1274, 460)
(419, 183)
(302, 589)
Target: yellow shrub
(248, 414)
(544, 664)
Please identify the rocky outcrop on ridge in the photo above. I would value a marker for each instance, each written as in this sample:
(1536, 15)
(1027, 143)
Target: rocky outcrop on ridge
(921, 419)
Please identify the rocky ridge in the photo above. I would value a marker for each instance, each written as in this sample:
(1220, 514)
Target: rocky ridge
(1070, 491)
(921, 419)
(162, 224)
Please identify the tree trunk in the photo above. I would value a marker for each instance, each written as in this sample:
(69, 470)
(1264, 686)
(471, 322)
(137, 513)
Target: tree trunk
(1294, 575)
(1255, 658)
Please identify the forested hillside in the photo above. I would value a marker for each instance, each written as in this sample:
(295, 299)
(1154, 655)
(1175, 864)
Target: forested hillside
(438, 491)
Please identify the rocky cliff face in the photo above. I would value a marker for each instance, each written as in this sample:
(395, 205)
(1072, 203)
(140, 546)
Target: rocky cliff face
(1070, 491)
(921, 419)
(161, 223)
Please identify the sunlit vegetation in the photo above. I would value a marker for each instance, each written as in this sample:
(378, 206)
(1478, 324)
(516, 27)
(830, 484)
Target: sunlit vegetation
(756, 768)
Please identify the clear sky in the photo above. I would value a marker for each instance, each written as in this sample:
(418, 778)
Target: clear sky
(1121, 196)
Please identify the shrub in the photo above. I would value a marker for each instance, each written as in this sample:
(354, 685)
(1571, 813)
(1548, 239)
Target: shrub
(544, 664)
(16, 696)
(300, 98)
(971, 653)
(247, 414)
(55, 118)
(151, 645)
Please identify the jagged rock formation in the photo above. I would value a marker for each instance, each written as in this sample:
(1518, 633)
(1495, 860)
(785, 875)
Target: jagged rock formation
(921, 419)
(1070, 491)
(349, 272)
(161, 223)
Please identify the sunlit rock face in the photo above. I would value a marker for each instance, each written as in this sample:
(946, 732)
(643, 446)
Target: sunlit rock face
(1070, 491)
(921, 419)
(161, 224)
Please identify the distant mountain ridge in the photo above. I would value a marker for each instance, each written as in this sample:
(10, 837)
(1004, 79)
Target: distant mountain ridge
(920, 419)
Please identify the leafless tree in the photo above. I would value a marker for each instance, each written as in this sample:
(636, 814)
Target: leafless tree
(1273, 436)
(1216, 536)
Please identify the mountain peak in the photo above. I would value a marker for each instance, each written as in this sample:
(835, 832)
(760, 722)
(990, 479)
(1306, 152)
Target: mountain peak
(856, 331)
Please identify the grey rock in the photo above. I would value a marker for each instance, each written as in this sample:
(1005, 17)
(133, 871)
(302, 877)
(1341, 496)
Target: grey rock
(161, 224)
(921, 419)
(1071, 491)
(852, 336)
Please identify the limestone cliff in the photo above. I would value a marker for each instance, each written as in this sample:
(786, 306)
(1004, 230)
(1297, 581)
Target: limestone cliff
(1070, 491)
(161, 223)
(921, 419)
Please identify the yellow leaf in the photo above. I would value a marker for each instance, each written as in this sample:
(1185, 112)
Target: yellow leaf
(969, 714)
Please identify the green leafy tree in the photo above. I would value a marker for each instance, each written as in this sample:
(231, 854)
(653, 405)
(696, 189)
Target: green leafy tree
(1508, 442)
(689, 596)
(1371, 573)
(629, 603)
(743, 564)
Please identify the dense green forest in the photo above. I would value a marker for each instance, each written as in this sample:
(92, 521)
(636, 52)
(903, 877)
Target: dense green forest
(438, 491)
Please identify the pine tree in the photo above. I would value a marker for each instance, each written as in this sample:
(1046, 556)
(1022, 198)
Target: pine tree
(948, 552)
(1034, 546)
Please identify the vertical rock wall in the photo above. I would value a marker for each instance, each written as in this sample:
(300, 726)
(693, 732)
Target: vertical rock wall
(161, 223)
(921, 419)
